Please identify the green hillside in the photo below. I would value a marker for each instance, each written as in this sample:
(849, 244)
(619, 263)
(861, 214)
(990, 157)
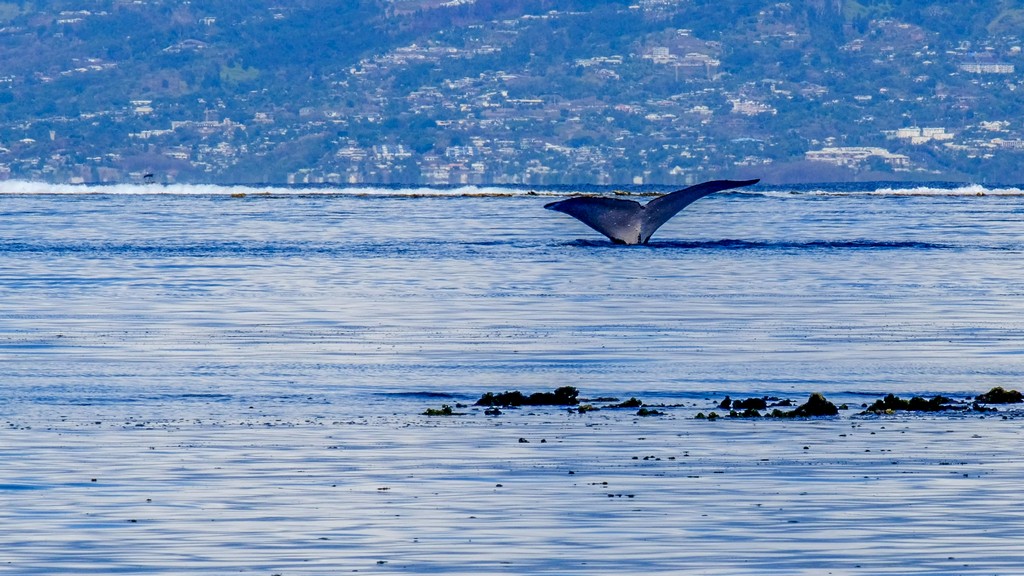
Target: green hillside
(535, 92)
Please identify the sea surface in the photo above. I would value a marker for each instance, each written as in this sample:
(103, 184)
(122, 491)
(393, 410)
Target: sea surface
(172, 357)
(116, 294)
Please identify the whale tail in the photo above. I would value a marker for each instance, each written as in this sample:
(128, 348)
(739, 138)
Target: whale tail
(629, 222)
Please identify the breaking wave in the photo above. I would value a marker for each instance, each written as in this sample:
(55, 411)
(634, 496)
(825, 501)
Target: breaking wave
(16, 187)
(971, 190)
(893, 189)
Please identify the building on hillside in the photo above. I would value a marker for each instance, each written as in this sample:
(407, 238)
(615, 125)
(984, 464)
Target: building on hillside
(988, 68)
(917, 135)
(857, 157)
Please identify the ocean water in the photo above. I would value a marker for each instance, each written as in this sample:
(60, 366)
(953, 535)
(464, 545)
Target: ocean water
(350, 294)
(211, 380)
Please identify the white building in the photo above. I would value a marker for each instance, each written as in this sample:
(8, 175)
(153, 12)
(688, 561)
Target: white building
(988, 68)
(855, 157)
(917, 135)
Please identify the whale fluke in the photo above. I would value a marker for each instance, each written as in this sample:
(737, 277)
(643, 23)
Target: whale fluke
(629, 222)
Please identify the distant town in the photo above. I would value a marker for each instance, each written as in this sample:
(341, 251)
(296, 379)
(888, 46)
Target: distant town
(448, 93)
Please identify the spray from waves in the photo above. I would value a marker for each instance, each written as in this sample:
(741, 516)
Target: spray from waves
(23, 187)
(890, 189)
(20, 187)
(968, 190)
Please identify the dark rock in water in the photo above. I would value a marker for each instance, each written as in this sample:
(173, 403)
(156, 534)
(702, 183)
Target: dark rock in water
(999, 395)
(750, 404)
(726, 403)
(564, 396)
(493, 411)
(649, 412)
(892, 403)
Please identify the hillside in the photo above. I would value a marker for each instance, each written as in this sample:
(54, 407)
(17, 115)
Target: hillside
(534, 92)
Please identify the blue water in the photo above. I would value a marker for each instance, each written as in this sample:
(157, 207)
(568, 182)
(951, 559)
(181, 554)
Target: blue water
(194, 382)
(344, 297)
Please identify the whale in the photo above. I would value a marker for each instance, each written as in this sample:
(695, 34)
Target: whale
(630, 222)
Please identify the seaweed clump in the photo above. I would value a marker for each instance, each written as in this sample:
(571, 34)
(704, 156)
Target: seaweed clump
(444, 410)
(745, 404)
(564, 396)
(816, 405)
(892, 403)
(999, 395)
(750, 406)
(633, 402)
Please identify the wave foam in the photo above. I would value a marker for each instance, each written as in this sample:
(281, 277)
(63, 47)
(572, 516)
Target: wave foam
(968, 190)
(839, 189)
(43, 188)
